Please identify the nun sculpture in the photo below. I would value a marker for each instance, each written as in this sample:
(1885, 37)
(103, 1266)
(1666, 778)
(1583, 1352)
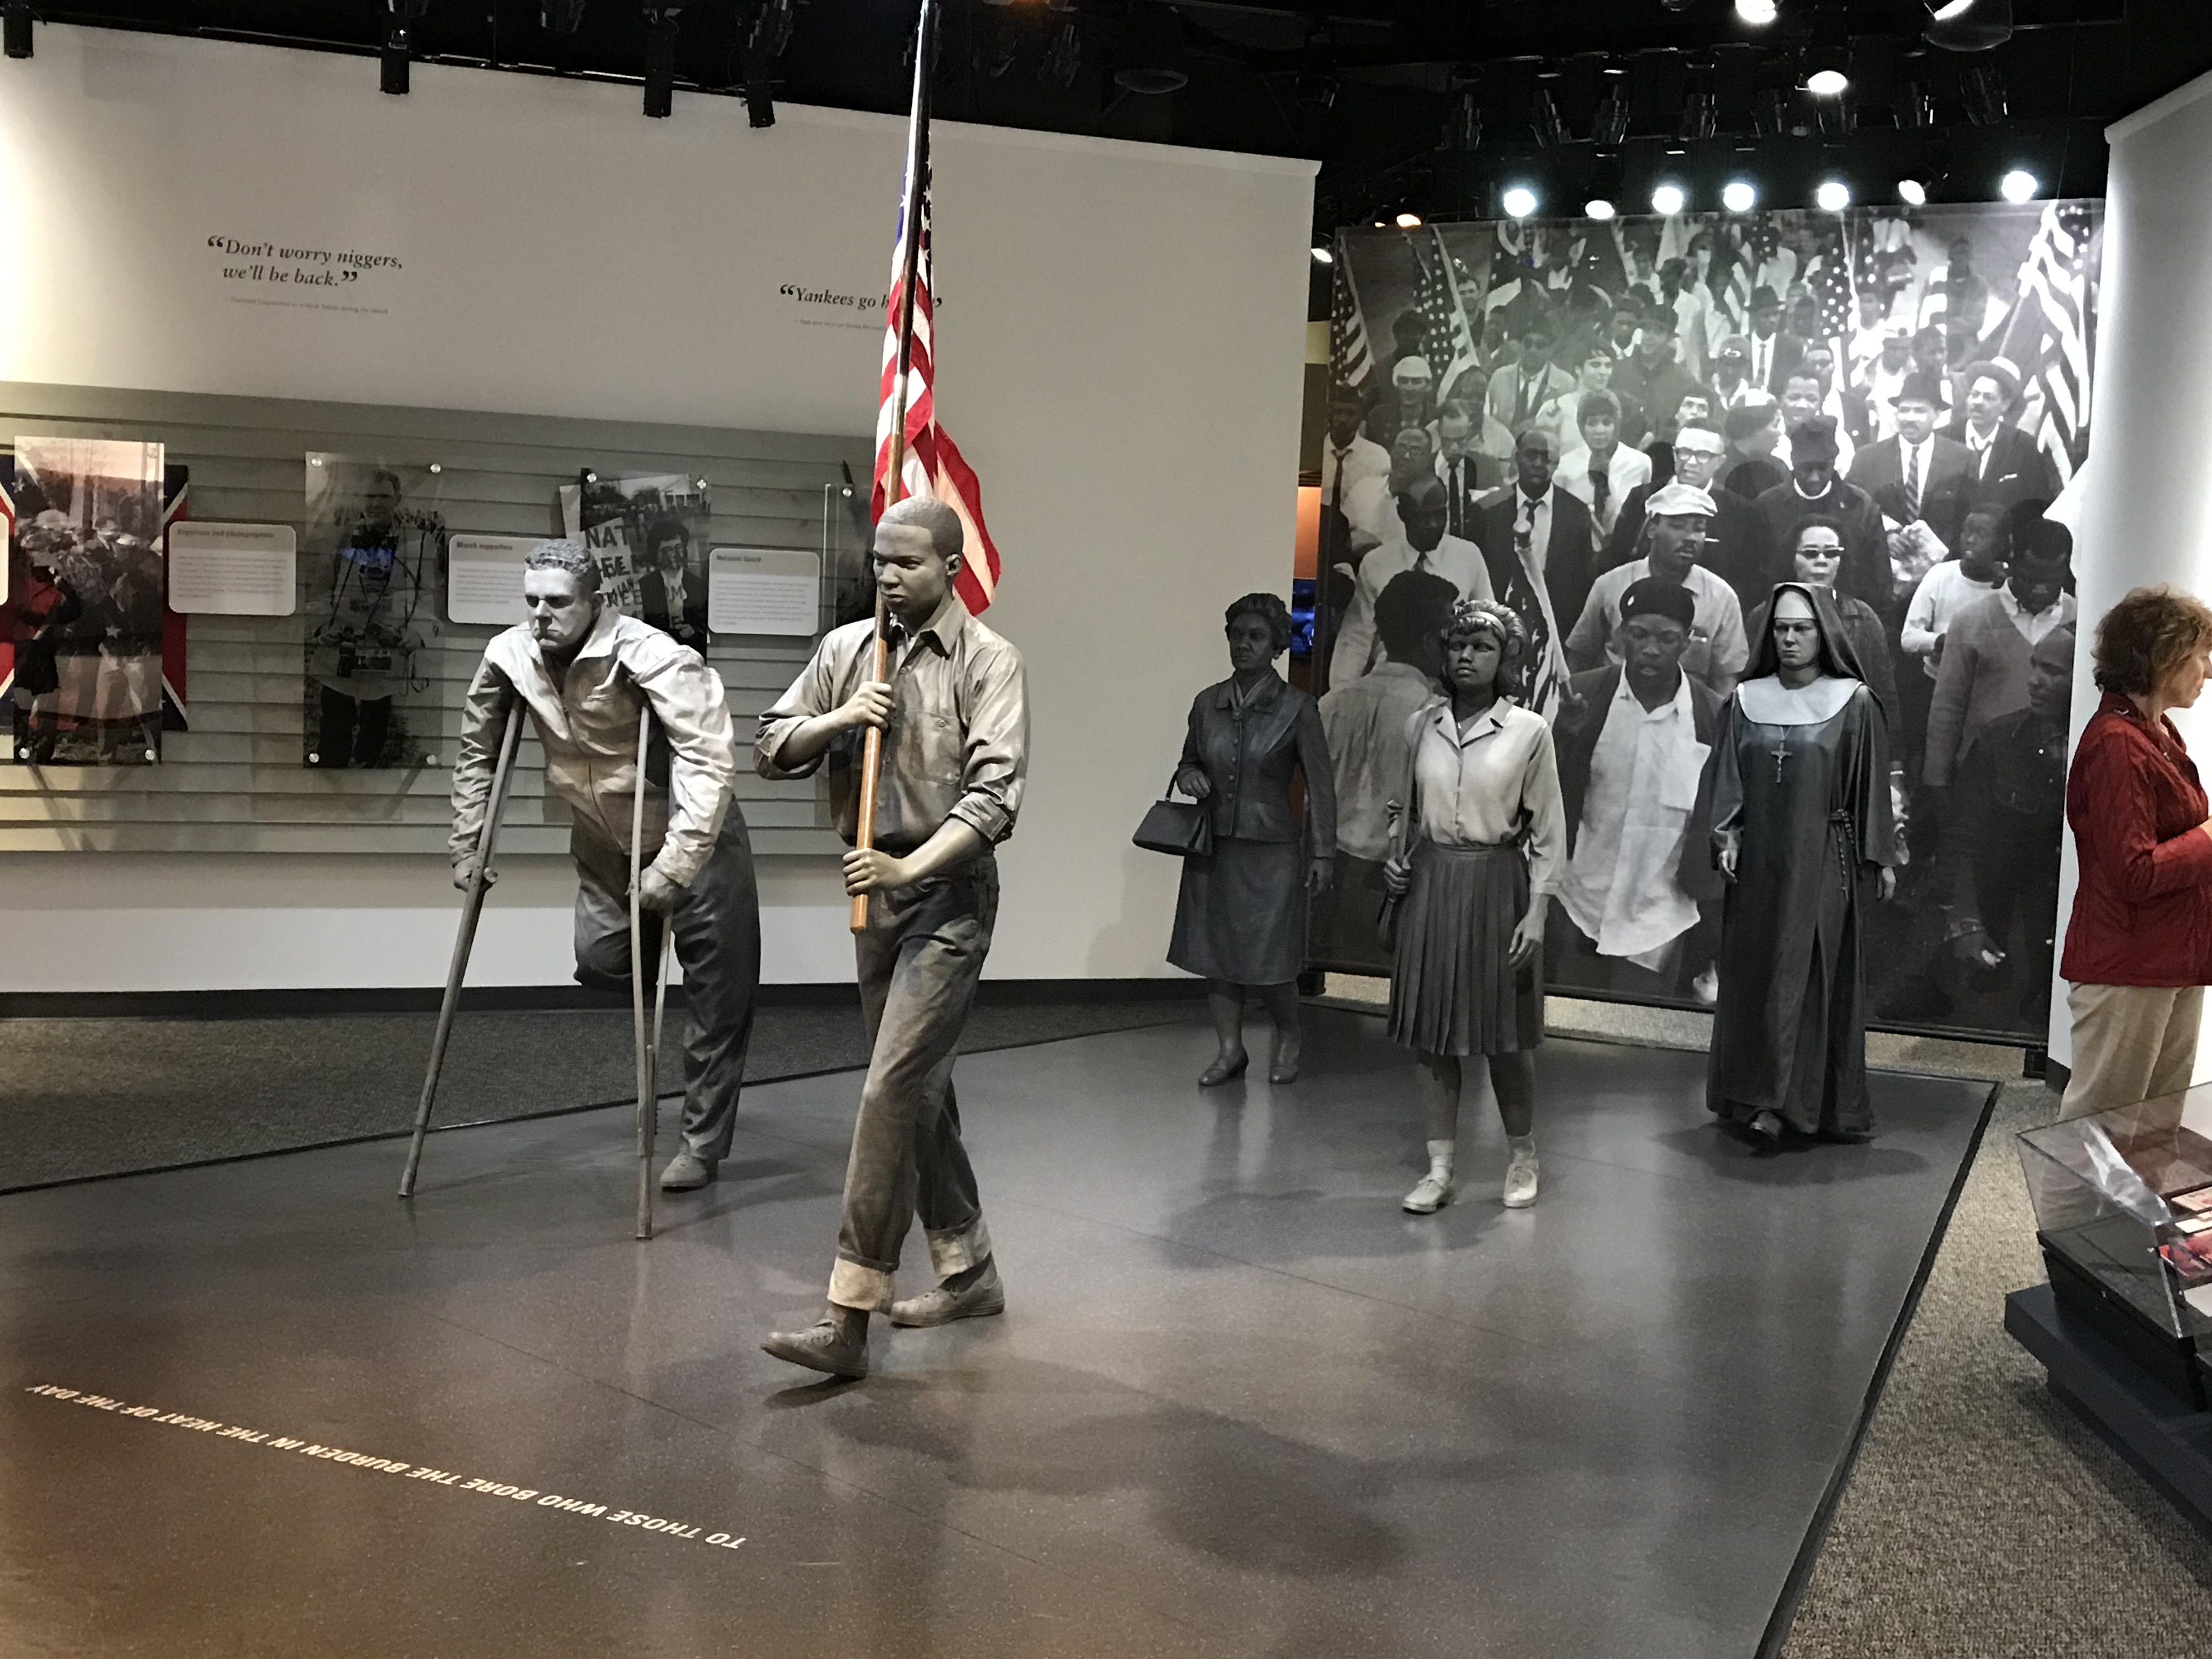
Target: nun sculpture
(1803, 836)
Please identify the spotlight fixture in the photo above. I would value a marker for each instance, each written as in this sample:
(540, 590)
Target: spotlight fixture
(15, 29)
(1738, 196)
(1157, 62)
(1669, 200)
(391, 57)
(660, 64)
(1757, 13)
(1063, 55)
(1518, 201)
(561, 16)
(1827, 83)
(1833, 195)
(1968, 25)
(1598, 207)
(1323, 254)
(1913, 192)
(1407, 219)
(1769, 112)
(1915, 105)
(1544, 118)
(2019, 186)
(764, 43)
(1983, 89)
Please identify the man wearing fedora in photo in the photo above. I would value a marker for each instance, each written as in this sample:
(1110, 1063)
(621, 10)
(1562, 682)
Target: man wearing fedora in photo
(2006, 467)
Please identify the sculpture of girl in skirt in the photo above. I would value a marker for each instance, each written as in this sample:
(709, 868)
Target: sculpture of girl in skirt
(1487, 834)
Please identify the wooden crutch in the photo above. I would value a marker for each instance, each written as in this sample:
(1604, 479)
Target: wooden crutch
(465, 940)
(648, 1042)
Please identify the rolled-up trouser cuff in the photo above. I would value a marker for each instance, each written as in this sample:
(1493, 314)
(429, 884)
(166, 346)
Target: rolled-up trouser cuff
(958, 1248)
(868, 1290)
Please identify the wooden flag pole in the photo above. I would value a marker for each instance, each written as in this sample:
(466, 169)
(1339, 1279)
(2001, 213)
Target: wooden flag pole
(917, 165)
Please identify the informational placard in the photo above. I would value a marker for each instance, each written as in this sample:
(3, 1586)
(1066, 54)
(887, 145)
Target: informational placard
(234, 569)
(484, 579)
(763, 590)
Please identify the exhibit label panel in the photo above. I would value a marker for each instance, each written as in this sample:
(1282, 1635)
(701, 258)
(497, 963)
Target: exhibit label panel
(1552, 377)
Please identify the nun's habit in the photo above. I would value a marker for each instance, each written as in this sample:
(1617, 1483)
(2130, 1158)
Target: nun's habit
(1800, 790)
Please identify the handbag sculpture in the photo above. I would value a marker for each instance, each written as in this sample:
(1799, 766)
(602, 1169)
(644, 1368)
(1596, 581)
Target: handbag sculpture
(1184, 828)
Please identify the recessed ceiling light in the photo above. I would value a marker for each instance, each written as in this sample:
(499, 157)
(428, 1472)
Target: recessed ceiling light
(1833, 195)
(1738, 196)
(1669, 199)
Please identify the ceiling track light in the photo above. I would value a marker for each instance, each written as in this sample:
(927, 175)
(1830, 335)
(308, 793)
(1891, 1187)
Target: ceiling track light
(1463, 130)
(1769, 112)
(1738, 196)
(1316, 86)
(660, 61)
(1669, 199)
(1915, 105)
(393, 57)
(1757, 13)
(1701, 115)
(1544, 119)
(1968, 25)
(1833, 195)
(1983, 89)
(1604, 187)
(16, 29)
(1518, 201)
(561, 16)
(2019, 186)
(1610, 124)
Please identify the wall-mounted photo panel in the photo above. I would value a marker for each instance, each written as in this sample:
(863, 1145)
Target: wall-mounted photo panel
(376, 546)
(648, 532)
(234, 569)
(763, 590)
(1879, 401)
(86, 615)
(484, 579)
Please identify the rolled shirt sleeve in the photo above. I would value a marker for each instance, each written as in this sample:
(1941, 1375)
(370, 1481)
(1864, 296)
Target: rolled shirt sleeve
(994, 760)
(817, 690)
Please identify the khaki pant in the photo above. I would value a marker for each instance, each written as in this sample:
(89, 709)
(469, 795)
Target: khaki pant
(2131, 1043)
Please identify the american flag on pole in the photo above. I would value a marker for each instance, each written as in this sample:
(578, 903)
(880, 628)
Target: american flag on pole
(932, 464)
(1350, 362)
(2047, 336)
(1829, 276)
(1446, 337)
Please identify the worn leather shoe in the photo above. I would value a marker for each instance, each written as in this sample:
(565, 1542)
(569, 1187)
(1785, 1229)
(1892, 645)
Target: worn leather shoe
(1429, 1196)
(821, 1347)
(942, 1305)
(686, 1173)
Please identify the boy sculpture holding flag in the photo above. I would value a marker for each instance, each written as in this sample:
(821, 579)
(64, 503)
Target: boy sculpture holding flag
(954, 720)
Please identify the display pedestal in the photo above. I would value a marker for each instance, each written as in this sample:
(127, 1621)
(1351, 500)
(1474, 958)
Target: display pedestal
(2165, 1359)
(2166, 1442)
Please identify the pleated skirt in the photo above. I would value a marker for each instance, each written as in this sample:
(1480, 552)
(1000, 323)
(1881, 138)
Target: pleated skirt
(1452, 988)
(1241, 913)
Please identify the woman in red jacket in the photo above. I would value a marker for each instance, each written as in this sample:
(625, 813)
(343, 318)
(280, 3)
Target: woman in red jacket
(2139, 947)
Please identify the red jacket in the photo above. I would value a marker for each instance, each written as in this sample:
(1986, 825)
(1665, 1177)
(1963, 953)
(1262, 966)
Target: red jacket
(2143, 913)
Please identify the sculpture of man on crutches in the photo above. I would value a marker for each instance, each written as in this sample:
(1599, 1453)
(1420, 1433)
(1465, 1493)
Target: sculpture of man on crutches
(588, 677)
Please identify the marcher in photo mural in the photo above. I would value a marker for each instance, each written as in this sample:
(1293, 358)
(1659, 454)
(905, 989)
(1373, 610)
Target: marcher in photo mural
(373, 560)
(1913, 383)
(648, 532)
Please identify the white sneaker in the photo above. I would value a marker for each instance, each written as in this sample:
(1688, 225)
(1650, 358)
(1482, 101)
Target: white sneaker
(1429, 1196)
(1520, 1181)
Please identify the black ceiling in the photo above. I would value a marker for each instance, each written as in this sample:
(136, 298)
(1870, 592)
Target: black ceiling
(1370, 88)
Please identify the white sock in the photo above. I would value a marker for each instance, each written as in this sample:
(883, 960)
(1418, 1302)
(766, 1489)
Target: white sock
(1517, 1146)
(1440, 1159)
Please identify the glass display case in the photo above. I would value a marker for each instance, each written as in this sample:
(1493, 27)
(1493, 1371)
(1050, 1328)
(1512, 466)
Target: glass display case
(2123, 1211)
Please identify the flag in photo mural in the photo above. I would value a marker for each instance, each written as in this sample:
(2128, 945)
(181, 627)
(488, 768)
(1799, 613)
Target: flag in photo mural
(372, 559)
(1881, 401)
(647, 531)
(84, 612)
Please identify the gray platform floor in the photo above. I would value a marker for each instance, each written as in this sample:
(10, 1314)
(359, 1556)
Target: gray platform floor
(1241, 1405)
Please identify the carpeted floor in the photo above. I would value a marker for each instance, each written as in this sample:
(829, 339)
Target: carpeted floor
(82, 1097)
(1983, 1520)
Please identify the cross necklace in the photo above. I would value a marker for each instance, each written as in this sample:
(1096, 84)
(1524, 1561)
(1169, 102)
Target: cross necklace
(1781, 754)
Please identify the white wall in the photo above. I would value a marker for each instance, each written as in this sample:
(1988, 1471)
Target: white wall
(1122, 352)
(2144, 514)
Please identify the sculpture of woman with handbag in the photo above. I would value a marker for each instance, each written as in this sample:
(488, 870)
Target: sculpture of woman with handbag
(1240, 918)
(1488, 835)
